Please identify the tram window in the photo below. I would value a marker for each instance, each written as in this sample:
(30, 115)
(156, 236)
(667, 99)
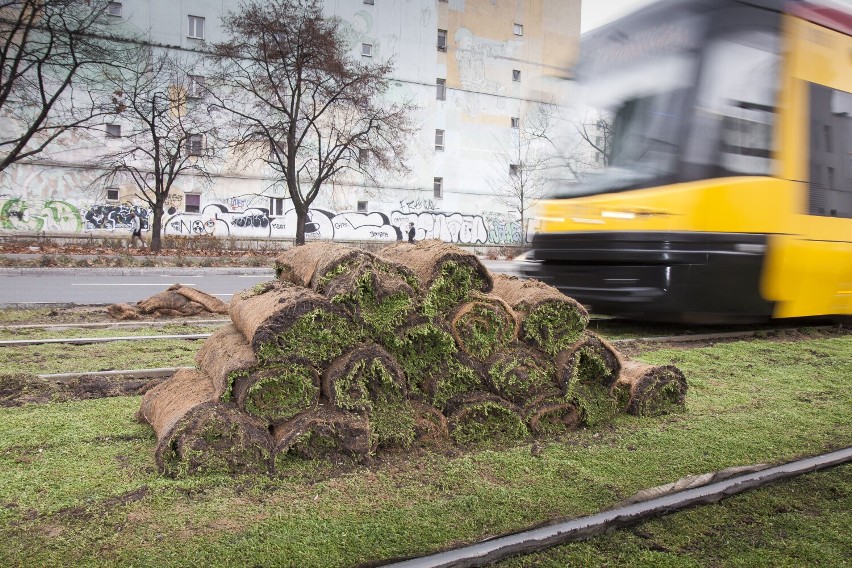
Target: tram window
(735, 115)
(830, 184)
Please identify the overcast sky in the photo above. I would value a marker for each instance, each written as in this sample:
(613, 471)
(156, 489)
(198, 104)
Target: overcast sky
(595, 13)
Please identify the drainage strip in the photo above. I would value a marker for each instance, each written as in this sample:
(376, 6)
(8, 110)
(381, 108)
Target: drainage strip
(539, 539)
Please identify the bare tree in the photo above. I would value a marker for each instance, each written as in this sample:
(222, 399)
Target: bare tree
(166, 131)
(53, 54)
(595, 130)
(522, 166)
(303, 104)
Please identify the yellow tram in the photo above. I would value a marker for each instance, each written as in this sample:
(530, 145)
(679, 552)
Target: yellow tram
(728, 195)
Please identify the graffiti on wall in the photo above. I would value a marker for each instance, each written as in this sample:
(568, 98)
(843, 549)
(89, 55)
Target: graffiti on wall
(112, 217)
(39, 215)
(245, 220)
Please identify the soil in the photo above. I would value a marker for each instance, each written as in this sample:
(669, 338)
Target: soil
(18, 390)
(94, 314)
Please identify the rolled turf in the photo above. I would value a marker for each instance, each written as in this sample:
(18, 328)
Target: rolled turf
(651, 390)
(587, 372)
(550, 320)
(198, 434)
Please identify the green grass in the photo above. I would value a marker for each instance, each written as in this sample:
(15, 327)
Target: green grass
(74, 473)
(800, 522)
(62, 358)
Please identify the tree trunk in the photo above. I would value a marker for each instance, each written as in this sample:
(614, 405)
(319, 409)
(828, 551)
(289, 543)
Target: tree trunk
(301, 219)
(156, 228)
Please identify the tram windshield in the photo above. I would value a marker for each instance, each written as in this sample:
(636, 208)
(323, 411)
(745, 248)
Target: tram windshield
(682, 99)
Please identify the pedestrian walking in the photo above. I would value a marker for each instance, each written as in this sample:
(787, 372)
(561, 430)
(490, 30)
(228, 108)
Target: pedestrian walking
(136, 230)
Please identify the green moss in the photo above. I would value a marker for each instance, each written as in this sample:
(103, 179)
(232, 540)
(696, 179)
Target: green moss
(217, 448)
(482, 331)
(286, 391)
(428, 354)
(458, 379)
(487, 422)
(381, 318)
(318, 337)
(392, 424)
(660, 400)
(258, 289)
(519, 377)
(452, 286)
(590, 391)
(228, 395)
(553, 326)
(330, 275)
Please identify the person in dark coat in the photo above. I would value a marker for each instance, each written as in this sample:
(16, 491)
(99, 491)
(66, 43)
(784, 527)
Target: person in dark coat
(411, 232)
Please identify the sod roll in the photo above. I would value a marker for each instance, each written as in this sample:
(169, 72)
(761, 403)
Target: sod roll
(587, 372)
(223, 355)
(311, 264)
(210, 303)
(520, 373)
(552, 416)
(197, 434)
(321, 432)
(651, 390)
(278, 391)
(368, 380)
(483, 326)
(482, 418)
(550, 320)
(447, 273)
(430, 358)
(282, 322)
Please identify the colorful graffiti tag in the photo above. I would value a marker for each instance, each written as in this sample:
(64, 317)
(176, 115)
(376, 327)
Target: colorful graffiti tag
(17, 214)
(237, 217)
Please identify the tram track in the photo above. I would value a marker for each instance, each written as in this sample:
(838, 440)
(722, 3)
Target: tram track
(683, 338)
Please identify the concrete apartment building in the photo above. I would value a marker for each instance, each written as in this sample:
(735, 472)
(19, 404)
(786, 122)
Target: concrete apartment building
(474, 68)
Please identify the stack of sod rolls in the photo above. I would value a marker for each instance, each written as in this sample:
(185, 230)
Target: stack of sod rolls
(348, 353)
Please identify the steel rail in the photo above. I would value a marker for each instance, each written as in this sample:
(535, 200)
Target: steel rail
(539, 539)
(195, 336)
(88, 340)
(97, 325)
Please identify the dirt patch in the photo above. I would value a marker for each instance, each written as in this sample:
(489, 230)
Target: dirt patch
(21, 389)
(88, 512)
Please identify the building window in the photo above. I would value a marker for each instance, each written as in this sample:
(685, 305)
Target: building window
(367, 49)
(441, 94)
(516, 122)
(518, 29)
(112, 195)
(192, 203)
(439, 139)
(516, 75)
(442, 40)
(276, 205)
(196, 27)
(370, 2)
(195, 144)
(113, 130)
(362, 207)
(196, 87)
(438, 188)
(514, 169)
(114, 9)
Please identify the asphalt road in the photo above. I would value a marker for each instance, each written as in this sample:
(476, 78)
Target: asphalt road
(94, 286)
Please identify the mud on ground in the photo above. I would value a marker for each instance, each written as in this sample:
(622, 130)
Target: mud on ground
(21, 389)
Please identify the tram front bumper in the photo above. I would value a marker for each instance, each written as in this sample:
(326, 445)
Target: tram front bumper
(699, 277)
